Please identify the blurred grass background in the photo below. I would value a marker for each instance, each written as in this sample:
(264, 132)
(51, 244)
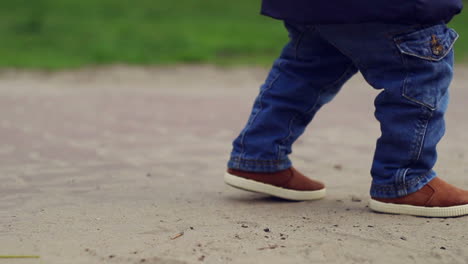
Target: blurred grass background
(56, 34)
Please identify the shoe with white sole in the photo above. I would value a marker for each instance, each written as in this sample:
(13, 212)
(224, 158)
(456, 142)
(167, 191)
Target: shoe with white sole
(435, 199)
(287, 184)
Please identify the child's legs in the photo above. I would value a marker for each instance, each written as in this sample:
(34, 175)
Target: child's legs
(307, 75)
(413, 66)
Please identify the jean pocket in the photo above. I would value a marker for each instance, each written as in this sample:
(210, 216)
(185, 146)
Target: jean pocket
(428, 57)
(433, 43)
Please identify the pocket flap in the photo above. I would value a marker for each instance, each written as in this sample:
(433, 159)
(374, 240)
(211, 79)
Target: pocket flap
(432, 43)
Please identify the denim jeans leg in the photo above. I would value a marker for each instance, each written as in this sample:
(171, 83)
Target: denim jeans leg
(413, 66)
(307, 75)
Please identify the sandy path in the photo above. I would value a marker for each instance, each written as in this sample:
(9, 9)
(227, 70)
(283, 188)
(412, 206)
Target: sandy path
(110, 165)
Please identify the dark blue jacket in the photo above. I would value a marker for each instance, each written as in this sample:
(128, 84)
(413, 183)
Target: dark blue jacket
(359, 11)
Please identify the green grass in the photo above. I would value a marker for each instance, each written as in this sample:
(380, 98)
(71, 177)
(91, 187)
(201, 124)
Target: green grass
(56, 34)
(460, 23)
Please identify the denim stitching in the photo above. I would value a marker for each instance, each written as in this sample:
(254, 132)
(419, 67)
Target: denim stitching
(424, 57)
(308, 111)
(427, 57)
(415, 139)
(390, 189)
(242, 153)
(423, 136)
(312, 108)
(423, 121)
(405, 63)
(406, 81)
(296, 57)
(416, 143)
(278, 152)
(419, 102)
(259, 165)
(401, 181)
(405, 86)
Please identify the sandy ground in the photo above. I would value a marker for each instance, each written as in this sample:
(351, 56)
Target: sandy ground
(125, 165)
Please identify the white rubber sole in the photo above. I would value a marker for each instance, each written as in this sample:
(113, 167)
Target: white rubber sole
(254, 186)
(391, 208)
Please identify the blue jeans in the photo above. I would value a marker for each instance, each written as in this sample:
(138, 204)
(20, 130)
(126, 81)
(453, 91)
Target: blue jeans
(412, 65)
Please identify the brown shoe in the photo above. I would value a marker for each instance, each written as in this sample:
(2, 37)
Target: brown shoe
(288, 184)
(436, 199)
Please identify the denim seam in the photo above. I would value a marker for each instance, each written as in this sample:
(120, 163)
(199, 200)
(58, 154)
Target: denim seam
(423, 121)
(427, 57)
(423, 136)
(405, 86)
(406, 82)
(296, 57)
(418, 135)
(390, 188)
(308, 111)
(259, 165)
(386, 190)
(418, 102)
(242, 153)
(298, 42)
(401, 181)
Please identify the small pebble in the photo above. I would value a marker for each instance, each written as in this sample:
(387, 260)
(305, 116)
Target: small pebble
(443, 248)
(403, 238)
(338, 167)
(266, 229)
